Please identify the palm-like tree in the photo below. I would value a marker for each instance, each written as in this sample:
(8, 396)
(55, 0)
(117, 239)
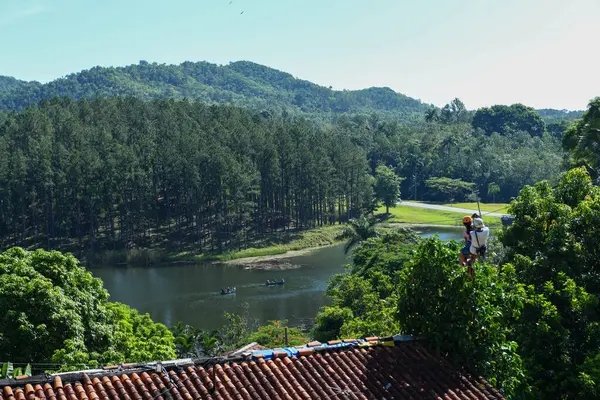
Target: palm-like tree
(432, 115)
(583, 138)
(209, 344)
(359, 229)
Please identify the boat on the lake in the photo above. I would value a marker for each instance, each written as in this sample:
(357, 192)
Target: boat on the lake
(273, 283)
(228, 291)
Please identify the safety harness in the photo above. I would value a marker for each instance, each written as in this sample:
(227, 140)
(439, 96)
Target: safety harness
(480, 249)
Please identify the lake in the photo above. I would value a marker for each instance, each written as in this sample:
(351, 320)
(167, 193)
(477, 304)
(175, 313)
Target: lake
(190, 293)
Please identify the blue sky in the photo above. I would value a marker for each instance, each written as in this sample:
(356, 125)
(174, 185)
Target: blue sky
(542, 53)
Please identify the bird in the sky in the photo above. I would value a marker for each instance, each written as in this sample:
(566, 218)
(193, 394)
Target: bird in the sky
(230, 2)
(241, 13)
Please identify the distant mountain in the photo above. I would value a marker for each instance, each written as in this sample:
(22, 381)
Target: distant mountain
(8, 84)
(242, 83)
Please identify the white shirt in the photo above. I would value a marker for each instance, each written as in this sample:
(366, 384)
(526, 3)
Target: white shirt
(479, 239)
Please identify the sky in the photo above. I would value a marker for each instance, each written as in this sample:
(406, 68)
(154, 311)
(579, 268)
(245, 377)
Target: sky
(542, 53)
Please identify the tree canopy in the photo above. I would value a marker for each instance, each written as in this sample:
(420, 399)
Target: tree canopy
(53, 310)
(529, 319)
(501, 119)
(446, 189)
(242, 83)
(115, 174)
(387, 186)
(582, 138)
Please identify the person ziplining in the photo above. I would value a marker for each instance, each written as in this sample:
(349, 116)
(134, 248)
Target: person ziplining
(476, 235)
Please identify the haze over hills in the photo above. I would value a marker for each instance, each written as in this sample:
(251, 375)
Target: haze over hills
(241, 83)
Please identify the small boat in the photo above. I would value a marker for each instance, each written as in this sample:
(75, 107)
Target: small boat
(273, 283)
(228, 291)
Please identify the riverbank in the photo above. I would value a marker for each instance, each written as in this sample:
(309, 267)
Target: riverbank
(267, 251)
(278, 245)
(265, 245)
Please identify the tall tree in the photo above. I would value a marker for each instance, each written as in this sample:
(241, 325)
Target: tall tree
(387, 186)
(583, 138)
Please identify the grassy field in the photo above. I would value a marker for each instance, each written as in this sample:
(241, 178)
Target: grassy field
(489, 207)
(414, 215)
(492, 207)
(278, 244)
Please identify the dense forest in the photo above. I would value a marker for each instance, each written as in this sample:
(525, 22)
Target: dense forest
(122, 173)
(240, 83)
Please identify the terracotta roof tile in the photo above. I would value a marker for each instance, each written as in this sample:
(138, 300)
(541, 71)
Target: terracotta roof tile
(339, 369)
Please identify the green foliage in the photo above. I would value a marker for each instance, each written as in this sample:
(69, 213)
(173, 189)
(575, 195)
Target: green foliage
(552, 243)
(241, 83)
(363, 299)
(170, 177)
(118, 174)
(530, 324)
(582, 138)
(195, 342)
(446, 189)
(551, 116)
(387, 186)
(502, 119)
(272, 335)
(359, 229)
(9, 371)
(493, 190)
(235, 333)
(454, 112)
(53, 309)
(467, 319)
(557, 228)
(9, 85)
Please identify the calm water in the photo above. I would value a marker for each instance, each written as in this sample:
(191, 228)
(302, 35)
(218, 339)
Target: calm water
(190, 293)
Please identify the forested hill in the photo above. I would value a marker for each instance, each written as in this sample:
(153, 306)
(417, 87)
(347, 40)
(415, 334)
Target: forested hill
(240, 83)
(8, 84)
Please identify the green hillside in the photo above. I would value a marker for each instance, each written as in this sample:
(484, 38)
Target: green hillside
(8, 84)
(241, 83)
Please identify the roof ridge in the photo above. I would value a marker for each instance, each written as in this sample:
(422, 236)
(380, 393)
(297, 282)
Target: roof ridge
(240, 355)
(316, 346)
(389, 367)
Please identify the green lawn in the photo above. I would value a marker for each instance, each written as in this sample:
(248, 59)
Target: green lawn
(490, 207)
(414, 215)
(487, 207)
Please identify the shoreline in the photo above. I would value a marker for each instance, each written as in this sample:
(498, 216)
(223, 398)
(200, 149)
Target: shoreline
(271, 262)
(274, 261)
(248, 261)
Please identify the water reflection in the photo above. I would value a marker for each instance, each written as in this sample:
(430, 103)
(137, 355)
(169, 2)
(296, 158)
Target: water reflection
(191, 293)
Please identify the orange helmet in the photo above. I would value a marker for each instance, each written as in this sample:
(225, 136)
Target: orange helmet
(467, 220)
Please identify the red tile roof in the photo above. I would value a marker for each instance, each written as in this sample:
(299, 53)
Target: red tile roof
(372, 369)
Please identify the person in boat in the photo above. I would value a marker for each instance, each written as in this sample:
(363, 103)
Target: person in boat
(479, 236)
(466, 250)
